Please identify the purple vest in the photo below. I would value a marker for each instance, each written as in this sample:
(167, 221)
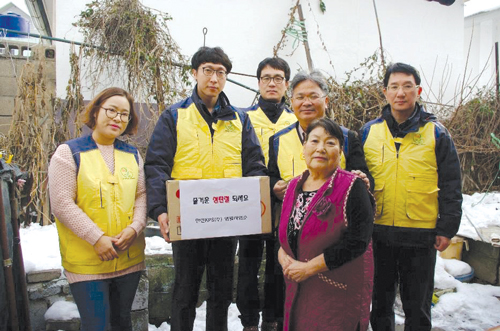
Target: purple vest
(337, 299)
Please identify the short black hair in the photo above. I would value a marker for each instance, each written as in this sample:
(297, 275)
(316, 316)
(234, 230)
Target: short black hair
(401, 67)
(330, 126)
(275, 63)
(211, 54)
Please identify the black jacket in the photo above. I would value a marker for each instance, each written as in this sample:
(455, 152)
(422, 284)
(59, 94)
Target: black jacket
(163, 145)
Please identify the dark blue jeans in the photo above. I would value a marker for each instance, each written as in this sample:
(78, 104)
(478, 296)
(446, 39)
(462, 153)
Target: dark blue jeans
(106, 304)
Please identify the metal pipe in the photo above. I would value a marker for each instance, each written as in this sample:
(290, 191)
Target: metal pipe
(34, 35)
(17, 248)
(7, 266)
(101, 48)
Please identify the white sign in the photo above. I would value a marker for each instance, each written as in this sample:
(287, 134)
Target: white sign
(220, 208)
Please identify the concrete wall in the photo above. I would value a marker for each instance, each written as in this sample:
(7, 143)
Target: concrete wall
(425, 34)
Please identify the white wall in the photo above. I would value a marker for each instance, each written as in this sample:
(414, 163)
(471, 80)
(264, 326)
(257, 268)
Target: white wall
(481, 33)
(424, 34)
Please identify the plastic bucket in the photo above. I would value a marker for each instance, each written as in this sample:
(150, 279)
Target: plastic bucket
(454, 251)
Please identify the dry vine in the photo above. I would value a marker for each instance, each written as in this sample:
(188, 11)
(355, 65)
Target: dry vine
(291, 20)
(357, 101)
(133, 47)
(471, 128)
(31, 135)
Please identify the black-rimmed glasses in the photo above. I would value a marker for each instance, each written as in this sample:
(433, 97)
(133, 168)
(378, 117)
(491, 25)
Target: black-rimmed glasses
(112, 113)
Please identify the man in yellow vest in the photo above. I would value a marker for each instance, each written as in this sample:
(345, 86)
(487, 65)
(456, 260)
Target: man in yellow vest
(286, 161)
(418, 192)
(201, 137)
(309, 102)
(268, 116)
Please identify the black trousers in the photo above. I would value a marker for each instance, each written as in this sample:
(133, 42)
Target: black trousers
(411, 268)
(247, 300)
(191, 258)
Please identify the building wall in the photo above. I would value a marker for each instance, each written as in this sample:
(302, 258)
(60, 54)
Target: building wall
(14, 54)
(481, 31)
(425, 34)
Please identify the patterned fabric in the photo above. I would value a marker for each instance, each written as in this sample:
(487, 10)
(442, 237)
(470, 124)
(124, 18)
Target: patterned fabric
(297, 217)
(337, 299)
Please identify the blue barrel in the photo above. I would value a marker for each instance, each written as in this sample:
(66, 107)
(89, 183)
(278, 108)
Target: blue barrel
(13, 21)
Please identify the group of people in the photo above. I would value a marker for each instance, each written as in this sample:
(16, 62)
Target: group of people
(354, 216)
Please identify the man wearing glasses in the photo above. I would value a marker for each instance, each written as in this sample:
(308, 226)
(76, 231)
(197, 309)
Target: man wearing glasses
(418, 192)
(309, 102)
(286, 160)
(201, 137)
(268, 117)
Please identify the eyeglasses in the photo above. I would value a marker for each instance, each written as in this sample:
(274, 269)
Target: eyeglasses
(313, 97)
(276, 79)
(209, 72)
(406, 88)
(112, 113)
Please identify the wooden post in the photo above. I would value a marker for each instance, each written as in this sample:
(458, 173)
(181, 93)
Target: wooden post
(496, 72)
(306, 42)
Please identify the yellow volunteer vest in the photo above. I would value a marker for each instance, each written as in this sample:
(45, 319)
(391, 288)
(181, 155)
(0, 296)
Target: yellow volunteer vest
(290, 158)
(406, 182)
(264, 128)
(201, 156)
(108, 200)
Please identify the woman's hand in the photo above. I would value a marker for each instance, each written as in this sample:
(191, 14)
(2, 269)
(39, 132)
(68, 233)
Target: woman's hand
(125, 238)
(104, 248)
(297, 271)
(363, 177)
(283, 258)
(292, 269)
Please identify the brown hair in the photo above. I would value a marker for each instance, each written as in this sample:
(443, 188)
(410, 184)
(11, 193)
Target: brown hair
(89, 117)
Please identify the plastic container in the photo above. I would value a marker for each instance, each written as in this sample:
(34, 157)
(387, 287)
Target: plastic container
(454, 251)
(467, 277)
(13, 21)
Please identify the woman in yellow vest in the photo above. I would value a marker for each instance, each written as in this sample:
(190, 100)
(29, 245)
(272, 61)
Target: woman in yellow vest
(98, 195)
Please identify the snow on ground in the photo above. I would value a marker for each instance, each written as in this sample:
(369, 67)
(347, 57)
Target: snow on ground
(157, 245)
(62, 311)
(472, 307)
(40, 245)
(480, 210)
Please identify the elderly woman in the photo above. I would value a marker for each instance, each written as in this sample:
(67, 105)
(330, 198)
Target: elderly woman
(325, 230)
(98, 194)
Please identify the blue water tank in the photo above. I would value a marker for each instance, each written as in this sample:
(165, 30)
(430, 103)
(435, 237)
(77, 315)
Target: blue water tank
(13, 21)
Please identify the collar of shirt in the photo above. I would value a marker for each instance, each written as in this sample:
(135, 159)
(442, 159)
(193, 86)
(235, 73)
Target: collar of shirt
(400, 129)
(272, 110)
(302, 133)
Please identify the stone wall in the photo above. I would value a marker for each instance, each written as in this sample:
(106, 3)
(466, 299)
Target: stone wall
(152, 303)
